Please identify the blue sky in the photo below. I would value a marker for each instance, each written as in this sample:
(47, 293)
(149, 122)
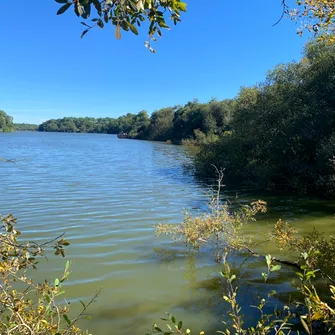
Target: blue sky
(47, 71)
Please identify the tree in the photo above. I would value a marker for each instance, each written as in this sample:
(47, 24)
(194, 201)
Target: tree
(318, 16)
(140, 127)
(6, 122)
(282, 130)
(126, 14)
(160, 128)
(188, 118)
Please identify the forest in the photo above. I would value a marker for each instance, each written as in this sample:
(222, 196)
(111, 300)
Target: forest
(276, 135)
(25, 127)
(283, 129)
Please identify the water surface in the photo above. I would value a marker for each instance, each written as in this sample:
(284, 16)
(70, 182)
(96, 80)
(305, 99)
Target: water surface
(106, 193)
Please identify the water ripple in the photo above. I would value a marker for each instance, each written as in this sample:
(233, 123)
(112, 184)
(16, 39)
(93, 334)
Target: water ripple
(105, 194)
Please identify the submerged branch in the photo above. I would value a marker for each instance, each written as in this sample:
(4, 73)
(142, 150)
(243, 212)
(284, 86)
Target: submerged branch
(277, 260)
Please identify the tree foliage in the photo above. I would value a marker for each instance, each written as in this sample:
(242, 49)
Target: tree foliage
(126, 15)
(80, 125)
(317, 16)
(6, 122)
(282, 130)
(195, 122)
(133, 124)
(25, 126)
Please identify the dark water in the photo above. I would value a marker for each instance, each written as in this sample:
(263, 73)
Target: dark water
(106, 194)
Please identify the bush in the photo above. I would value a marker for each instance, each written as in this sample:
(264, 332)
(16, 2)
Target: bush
(28, 307)
(222, 223)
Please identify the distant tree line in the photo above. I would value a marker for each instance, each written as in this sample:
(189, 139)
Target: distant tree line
(73, 125)
(25, 127)
(279, 134)
(190, 122)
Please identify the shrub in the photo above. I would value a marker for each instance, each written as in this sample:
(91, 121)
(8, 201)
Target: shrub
(28, 307)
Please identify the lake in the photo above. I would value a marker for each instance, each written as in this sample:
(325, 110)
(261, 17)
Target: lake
(106, 194)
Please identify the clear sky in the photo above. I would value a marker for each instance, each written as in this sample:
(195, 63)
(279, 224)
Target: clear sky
(47, 71)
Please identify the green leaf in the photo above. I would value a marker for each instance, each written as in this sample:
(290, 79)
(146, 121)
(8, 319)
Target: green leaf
(85, 24)
(66, 319)
(265, 276)
(157, 328)
(61, 1)
(67, 265)
(84, 33)
(97, 5)
(182, 6)
(106, 18)
(300, 275)
(305, 325)
(275, 268)
(59, 293)
(180, 324)
(64, 8)
(124, 26)
(57, 282)
(87, 8)
(162, 24)
(232, 278)
(268, 259)
(310, 274)
(132, 28)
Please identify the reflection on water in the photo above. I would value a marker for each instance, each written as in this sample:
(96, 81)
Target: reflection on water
(106, 194)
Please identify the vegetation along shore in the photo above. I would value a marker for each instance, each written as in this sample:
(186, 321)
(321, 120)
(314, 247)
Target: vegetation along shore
(276, 135)
(230, 266)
